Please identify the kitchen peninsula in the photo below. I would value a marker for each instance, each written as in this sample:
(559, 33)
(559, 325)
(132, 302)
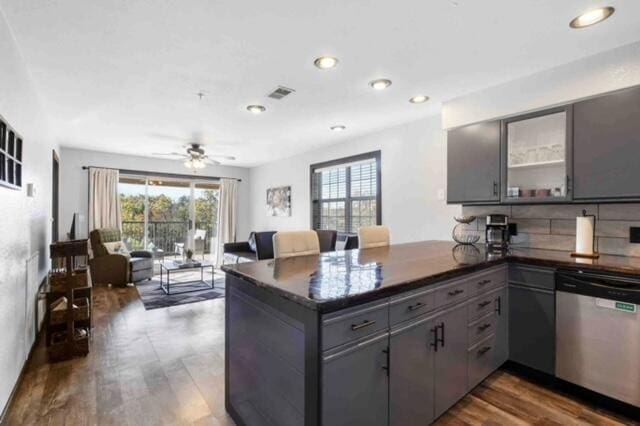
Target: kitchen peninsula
(339, 338)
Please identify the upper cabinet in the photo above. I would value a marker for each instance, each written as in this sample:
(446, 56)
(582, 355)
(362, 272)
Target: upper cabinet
(587, 151)
(536, 155)
(473, 164)
(607, 147)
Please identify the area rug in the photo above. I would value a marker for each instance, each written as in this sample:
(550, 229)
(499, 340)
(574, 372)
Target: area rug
(153, 297)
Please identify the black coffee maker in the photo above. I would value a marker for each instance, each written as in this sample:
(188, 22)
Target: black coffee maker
(497, 236)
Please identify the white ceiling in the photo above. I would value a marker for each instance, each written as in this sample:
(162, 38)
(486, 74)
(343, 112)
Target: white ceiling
(113, 73)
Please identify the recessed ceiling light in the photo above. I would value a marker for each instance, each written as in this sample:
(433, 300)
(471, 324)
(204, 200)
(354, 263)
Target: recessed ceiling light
(380, 84)
(338, 128)
(256, 109)
(592, 17)
(325, 62)
(419, 99)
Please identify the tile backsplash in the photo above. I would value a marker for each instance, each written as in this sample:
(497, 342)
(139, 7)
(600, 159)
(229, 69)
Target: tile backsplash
(553, 227)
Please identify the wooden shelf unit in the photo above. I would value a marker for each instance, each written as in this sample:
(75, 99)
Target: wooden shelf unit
(68, 331)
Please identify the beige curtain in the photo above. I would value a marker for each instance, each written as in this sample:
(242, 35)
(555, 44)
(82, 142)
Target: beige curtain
(104, 200)
(227, 215)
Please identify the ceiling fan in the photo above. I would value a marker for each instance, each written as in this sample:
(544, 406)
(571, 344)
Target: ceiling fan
(195, 157)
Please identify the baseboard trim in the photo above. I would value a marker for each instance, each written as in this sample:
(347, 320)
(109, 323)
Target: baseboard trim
(5, 410)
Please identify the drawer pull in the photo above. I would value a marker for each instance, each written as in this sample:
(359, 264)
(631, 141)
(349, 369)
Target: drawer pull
(483, 327)
(416, 306)
(483, 304)
(483, 282)
(456, 292)
(484, 350)
(365, 323)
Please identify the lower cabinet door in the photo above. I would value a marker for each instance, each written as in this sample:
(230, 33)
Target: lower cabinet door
(532, 327)
(501, 306)
(411, 386)
(355, 384)
(450, 369)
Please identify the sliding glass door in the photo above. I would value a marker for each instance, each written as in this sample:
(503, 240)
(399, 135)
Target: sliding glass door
(168, 216)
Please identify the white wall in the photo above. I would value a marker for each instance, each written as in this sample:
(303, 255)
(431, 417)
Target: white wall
(24, 222)
(413, 170)
(594, 75)
(74, 181)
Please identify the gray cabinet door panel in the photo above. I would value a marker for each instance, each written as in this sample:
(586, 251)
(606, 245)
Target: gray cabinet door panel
(355, 386)
(532, 327)
(501, 305)
(473, 163)
(451, 359)
(607, 146)
(411, 386)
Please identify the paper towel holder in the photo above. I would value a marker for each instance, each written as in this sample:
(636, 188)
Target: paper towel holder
(595, 254)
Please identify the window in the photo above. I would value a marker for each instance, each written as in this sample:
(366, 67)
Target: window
(10, 157)
(345, 193)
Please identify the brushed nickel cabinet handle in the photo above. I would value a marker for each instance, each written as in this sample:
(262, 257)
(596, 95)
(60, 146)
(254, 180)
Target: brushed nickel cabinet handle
(365, 323)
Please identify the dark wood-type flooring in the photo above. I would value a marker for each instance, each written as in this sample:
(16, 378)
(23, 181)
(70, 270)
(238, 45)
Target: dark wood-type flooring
(166, 366)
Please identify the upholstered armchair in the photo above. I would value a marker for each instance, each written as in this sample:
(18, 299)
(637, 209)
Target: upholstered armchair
(113, 264)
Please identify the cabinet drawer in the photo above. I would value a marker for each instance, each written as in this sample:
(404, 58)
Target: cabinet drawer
(452, 293)
(481, 306)
(481, 328)
(486, 281)
(532, 276)
(481, 360)
(344, 326)
(411, 305)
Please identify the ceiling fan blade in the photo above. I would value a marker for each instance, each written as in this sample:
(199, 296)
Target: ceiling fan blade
(224, 157)
(211, 161)
(170, 154)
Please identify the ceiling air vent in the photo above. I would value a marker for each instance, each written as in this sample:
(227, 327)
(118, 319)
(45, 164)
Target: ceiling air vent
(280, 92)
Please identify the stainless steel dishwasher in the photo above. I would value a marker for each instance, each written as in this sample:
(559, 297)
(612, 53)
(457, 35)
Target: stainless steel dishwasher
(598, 333)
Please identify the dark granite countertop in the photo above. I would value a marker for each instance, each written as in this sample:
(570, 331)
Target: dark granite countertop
(336, 280)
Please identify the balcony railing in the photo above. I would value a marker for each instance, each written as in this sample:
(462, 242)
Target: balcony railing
(162, 235)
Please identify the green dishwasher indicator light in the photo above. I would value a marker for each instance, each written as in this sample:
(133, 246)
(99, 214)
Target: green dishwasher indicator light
(627, 307)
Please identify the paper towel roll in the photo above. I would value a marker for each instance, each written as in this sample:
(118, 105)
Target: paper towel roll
(584, 234)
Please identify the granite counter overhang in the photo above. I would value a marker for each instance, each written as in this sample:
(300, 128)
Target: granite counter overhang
(337, 280)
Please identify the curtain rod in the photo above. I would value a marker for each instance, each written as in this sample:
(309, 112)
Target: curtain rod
(159, 174)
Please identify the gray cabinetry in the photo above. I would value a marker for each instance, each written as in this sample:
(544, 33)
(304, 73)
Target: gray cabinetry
(532, 326)
(411, 387)
(501, 305)
(536, 152)
(355, 387)
(473, 163)
(450, 358)
(607, 146)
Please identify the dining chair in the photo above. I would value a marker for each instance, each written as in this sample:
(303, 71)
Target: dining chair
(373, 236)
(295, 243)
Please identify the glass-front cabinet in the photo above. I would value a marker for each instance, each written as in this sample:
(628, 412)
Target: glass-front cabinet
(536, 157)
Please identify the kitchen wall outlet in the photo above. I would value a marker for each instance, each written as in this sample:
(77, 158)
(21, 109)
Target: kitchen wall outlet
(634, 235)
(440, 194)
